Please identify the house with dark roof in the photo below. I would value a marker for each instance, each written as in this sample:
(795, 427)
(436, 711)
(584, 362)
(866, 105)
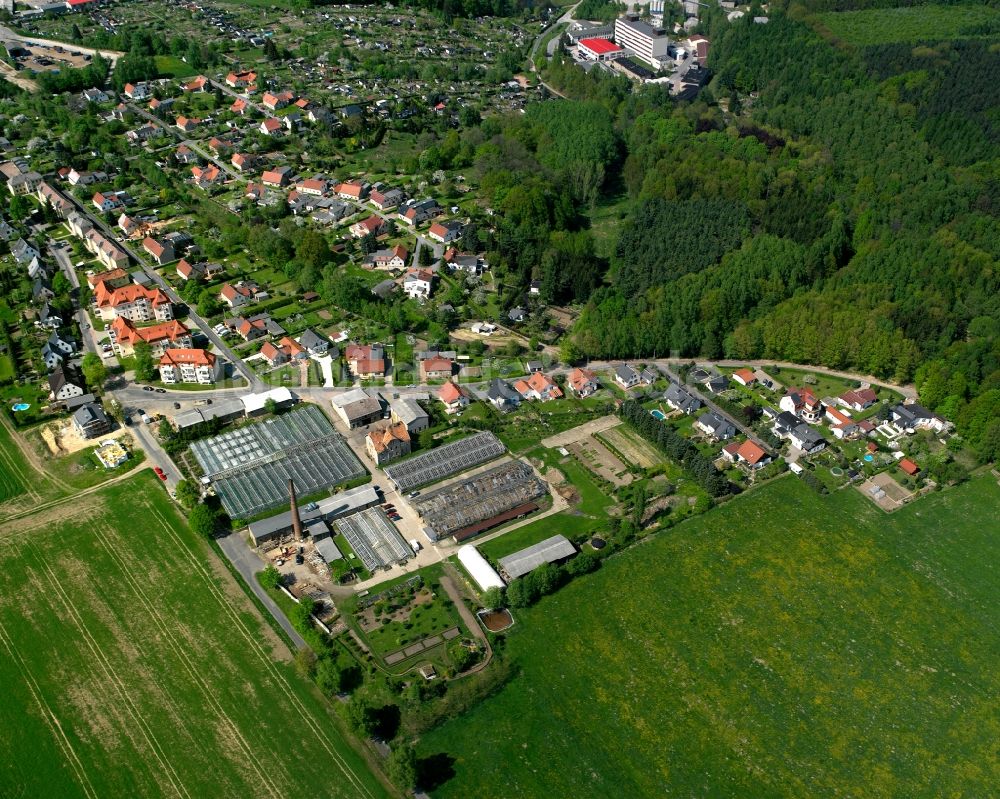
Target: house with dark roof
(502, 395)
(626, 376)
(90, 421)
(715, 426)
(314, 342)
(680, 399)
(63, 383)
(913, 417)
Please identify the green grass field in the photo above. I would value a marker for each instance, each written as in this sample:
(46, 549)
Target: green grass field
(169, 66)
(910, 24)
(785, 645)
(133, 665)
(13, 477)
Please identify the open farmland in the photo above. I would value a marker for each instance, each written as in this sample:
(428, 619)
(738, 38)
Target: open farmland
(910, 24)
(784, 645)
(131, 668)
(13, 478)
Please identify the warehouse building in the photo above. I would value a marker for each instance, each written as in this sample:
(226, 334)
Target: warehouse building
(599, 50)
(552, 550)
(335, 507)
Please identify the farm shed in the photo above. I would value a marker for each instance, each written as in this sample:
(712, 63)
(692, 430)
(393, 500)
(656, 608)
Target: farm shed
(551, 550)
(478, 568)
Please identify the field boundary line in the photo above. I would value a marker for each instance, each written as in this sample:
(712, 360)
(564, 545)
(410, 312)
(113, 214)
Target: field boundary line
(30, 457)
(179, 651)
(50, 718)
(265, 657)
(130, 706)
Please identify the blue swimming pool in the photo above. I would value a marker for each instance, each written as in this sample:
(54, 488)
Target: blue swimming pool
(657, 414)
(20, 406)
(869, 457)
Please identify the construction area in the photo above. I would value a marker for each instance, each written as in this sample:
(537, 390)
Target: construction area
(250, 467)
(885, 492)
(468, 507)
(374, 539)
(446, 460)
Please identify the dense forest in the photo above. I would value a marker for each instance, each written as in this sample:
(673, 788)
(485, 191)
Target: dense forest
(835, 206)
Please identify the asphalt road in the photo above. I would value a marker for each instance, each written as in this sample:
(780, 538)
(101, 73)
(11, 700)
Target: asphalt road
(247, 563)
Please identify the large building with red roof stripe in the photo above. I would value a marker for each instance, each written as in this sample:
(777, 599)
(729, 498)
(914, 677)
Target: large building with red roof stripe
(599, 49)
(133, 302)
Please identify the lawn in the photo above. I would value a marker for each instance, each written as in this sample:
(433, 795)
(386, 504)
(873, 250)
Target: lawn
(169, 66)
(133, 665)
(785, 645)
(911, 24)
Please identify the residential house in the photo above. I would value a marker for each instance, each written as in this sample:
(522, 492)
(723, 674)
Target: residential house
(465, 262)
(365, 361)
(909, 467)
(752, 455)
(391, 259)
(418, 283)
(436, 369)
(186, 124)
(189, 366)
(127, 225)
(803, 403)
(805, 438)
(913, 417)
(357, 407)
(373, 225)
(275, 102)
(206, 177)
(199, 84)
(446, 232)
(517, 315)
(538, 387)
(535, 287)
(56, 350)
(23, 252)
(142, 134)
(858, 399)
(241, 80)
(385, 200)
(77, 178)
(648, 376)
(745, 377)
(161, 252)
(64, 384)
(270, 126)
(315, 343)
(407, 411)
(784, 423)
(185, 155)
(273, 354)
(94, 96)
(841, 425)
(680, 399)
(583, 382)
(243, 162)
(55, 199)
(110, 280)
(386, 444)
(501, 395)
(314, 186)
(136, 91)
(626, 376)
(533, 366)
(107, 251)
(133, 302)
(90, 421)
(49, 318)
(414, 212)
(351, 190)
(161, 337)
(715, 426)
(717, 384)
(292, 121)
(277, 178)
(241, 107)
(109, 201)
(454, 397)
(242, 293)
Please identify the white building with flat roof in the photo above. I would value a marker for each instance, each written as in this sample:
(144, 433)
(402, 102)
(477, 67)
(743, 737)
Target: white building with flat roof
(646, 42)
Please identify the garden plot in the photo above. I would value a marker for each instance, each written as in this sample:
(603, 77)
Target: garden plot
(638, 453)
(601, 461)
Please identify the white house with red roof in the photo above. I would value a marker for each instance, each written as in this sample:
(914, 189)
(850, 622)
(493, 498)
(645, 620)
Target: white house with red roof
(454, 397)
(351, 190)
(394, 258)
(583, 382)
(270, 126)
(745, 377)
(418, 283)
(184, 365)
(446, 232)
(316, 187)
(161, 252)
(133, 302)
(277, 101)
(803, 403)
(125, 335)
(538, 387)
(858, 399)
(372, 224)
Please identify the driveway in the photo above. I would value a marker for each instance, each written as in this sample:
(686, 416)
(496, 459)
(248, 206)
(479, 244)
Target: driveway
(247, 563)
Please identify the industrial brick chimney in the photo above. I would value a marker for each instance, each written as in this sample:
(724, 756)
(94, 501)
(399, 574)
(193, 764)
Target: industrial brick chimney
(296, 521)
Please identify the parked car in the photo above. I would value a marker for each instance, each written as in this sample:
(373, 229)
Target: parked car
(161, 391)
(147, 388)
(159, 473)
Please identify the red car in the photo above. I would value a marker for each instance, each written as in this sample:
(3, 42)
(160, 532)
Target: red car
(159, 473)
